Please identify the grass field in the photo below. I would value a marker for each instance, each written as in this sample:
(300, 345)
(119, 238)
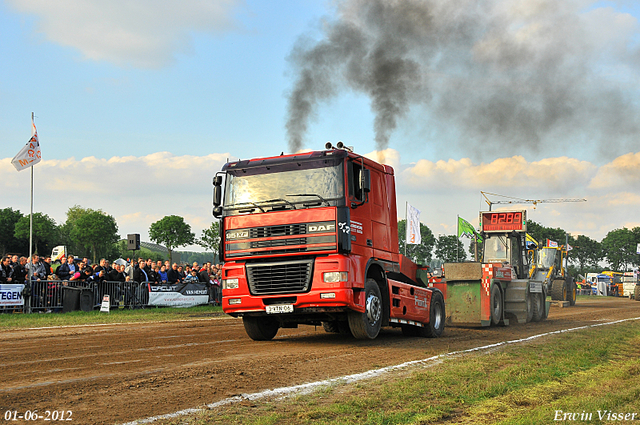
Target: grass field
(34, 320)
(584, 373)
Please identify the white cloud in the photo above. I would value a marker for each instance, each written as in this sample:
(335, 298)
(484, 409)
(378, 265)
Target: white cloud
(622, 172)
(136, 191)
(550, 175)
(142, 33)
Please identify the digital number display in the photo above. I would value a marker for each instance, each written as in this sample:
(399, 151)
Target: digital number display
(503, 221)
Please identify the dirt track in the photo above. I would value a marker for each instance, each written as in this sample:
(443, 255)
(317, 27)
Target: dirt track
(118, 373)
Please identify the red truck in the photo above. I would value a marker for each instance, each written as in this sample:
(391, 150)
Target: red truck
(312, 238)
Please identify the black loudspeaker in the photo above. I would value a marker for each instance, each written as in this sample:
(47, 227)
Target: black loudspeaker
(86, 300)
(133, 242)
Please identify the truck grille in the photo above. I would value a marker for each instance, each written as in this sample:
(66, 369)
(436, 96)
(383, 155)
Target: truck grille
(280, 277)
(285, 230)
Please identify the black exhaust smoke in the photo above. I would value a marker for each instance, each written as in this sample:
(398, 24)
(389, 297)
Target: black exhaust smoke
(498, 77)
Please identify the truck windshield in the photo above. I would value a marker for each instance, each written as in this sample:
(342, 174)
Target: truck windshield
(495, 249)
(262, 189)
(546, 257)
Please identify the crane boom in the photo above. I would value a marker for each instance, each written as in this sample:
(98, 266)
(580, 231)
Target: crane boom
(535, 202)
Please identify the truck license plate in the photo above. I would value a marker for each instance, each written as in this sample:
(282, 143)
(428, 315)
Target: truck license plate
(281, 308)
(535, 287)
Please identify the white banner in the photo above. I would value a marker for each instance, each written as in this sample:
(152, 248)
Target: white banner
(638, 249)
(178, 295)
(413, 225)
(30, 154)
(11, 294)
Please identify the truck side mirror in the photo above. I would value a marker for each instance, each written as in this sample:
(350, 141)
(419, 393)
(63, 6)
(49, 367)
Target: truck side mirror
(365, 180)
(217, 191)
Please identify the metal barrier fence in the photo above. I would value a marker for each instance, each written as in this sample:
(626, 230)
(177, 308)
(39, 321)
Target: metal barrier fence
(56, 295)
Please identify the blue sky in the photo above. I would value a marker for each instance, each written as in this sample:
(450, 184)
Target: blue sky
(138, 103)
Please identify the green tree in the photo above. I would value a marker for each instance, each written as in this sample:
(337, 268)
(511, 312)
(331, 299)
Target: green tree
(8, 240)
(45, 231)
(420, 253)
(619, 247)
(586, 254)
(172, 232)
(210, 239)
(450, 249)
(97, 231)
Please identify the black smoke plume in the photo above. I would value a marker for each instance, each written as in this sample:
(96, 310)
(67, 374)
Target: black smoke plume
(500, 76)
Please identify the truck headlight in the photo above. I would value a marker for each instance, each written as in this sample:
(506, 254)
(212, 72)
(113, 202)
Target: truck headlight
(229, 283)
(333, 277)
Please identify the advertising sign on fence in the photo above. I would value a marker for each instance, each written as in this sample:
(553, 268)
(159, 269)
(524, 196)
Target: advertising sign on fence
(11, 294)
(182, 295)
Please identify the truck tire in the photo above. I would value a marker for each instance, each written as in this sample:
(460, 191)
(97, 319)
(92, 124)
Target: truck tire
(497, 306)
(636, 292)
(538, 307)
(367, 325)
(260, 328)
(572, 291)
(337, 327)
(528, 299)
(437, 316)
(559, 290)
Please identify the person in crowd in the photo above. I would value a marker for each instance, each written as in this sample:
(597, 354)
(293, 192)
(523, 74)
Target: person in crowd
(67, 268)
(128, 271)
(173, 276)
(203, 274)
(36, 269)
(86, 271)
(181, 273)
(6, 271)
(20, 270)
(167, 265)
(192, 277)
(47, 265)
(162, 275)
(140, 274)
(159, 264)
(150, 270)
(116, 274)
(98, 277)
(15, 260)
(195, 266)
(101, 265)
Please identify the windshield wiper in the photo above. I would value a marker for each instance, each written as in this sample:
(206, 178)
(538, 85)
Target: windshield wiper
(278, 200)
(240, 206)
(310, 194)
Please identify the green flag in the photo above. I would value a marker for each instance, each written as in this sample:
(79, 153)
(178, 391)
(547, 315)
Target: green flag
(466, 229)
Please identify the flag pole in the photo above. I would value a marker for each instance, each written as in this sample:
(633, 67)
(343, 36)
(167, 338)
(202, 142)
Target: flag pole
(31, 230)
(457, 238)
(406, 219)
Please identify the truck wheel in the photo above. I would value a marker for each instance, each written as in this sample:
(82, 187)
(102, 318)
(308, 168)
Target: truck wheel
(260, 328)
(559, 290)
(636, 292)
(538, 307)
(336, 327)
(367, 325)
(496, 305)
(571, 292)
(528, 299)
(435, 327)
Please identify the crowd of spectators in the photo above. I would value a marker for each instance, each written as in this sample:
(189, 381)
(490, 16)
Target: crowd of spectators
(16, 269)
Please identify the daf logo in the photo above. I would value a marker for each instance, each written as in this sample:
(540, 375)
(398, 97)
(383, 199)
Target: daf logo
(238, 235)
(322, 227)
